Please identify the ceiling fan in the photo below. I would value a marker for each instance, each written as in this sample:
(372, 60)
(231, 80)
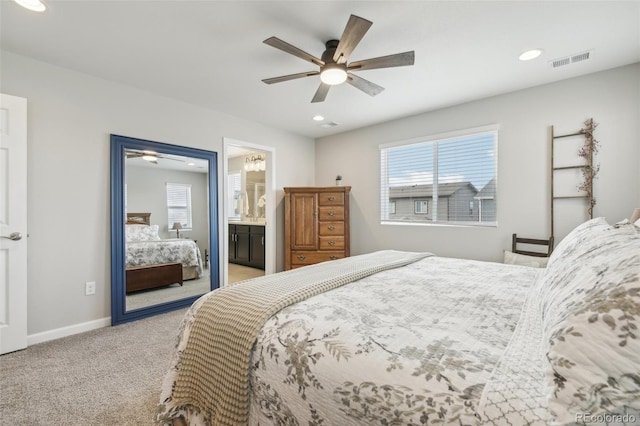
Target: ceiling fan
(334, 68)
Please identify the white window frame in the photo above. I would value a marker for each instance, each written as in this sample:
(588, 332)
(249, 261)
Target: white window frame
(417, 203)
(384, 179)
(187, 208)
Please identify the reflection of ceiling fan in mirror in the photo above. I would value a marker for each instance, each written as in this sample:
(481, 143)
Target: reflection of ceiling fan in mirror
(150, 156)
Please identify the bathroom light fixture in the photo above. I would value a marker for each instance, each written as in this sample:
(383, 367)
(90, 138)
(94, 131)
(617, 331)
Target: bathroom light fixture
(333, 74)
(318, 117)
(530, 54)
(255, 163)
(34, 5)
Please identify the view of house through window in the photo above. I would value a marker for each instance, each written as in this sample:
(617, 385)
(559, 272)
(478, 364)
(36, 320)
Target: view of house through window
(179, 205)
(441, 179)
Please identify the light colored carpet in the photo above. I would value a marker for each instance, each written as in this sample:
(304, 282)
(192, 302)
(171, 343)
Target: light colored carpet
(110, 376)
(155, 296)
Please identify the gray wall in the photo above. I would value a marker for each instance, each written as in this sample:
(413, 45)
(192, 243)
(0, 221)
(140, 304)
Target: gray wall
(612, 98)
(70, 117)
(147, 193)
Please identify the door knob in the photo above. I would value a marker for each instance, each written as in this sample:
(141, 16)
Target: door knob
(14, 236)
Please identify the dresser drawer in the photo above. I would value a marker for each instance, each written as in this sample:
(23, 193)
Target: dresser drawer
(331, 243)
(331, 198)
(311, 257)
(331, 228)
(331, 213)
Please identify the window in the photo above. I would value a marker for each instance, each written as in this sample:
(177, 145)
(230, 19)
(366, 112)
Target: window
(420, 207)
(449, 178)
(179, 205)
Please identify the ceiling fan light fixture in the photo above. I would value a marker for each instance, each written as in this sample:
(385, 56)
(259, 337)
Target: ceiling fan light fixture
(333, 74)
(34, 5)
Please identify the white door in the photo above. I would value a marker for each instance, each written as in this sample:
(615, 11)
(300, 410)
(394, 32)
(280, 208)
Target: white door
(13, 223)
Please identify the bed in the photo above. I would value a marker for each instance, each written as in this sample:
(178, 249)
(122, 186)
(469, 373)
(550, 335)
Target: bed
(395, 338)
(144, 247)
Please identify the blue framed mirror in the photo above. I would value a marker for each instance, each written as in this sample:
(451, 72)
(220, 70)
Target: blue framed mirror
(164, 227)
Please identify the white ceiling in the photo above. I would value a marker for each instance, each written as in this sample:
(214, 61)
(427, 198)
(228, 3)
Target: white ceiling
(210, 53)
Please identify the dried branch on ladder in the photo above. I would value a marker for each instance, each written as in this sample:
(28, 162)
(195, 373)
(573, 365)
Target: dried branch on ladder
(590, 171)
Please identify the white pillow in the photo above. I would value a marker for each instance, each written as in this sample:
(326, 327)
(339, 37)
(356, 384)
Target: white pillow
(591, 298)
(511, 258)
(142, 232)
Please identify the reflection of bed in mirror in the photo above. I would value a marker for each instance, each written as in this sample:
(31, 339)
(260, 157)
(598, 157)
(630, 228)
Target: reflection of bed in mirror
(153, 262)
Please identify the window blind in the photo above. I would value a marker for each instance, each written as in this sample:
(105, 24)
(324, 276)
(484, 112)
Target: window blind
(179, 205)
(234, 188)
(441, 179)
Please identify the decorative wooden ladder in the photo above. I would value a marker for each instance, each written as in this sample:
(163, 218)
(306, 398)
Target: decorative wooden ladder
(589, 170)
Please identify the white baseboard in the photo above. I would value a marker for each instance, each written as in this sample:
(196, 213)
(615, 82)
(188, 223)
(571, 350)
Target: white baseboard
(45, 336)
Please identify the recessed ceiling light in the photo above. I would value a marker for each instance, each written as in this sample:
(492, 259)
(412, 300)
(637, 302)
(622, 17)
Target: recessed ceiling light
(35, 5)
(191, 164)
(318, 117)
(530, 54)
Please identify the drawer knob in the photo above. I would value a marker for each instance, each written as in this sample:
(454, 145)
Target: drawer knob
(301, 257)
(333, 257)
(331, 227)
(331, 198)
(332, 243)
(332, 213)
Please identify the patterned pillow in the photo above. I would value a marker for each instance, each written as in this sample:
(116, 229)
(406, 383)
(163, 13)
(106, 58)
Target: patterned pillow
(591, 317)
(565, 259)
(142, 232)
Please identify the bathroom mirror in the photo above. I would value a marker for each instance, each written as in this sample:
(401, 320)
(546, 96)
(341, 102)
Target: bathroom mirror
(164, 227)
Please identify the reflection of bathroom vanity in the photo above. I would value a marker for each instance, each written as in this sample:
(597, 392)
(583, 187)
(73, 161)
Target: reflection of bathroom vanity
(246, 214)
(246, 243)
(254, 187)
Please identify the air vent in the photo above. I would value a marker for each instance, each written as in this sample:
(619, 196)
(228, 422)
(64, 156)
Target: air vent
(578, 57)
(328, 125)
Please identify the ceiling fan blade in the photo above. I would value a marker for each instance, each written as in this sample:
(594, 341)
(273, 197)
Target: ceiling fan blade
(171, 158)
(366, 86)
(355, 29)
(397, 60)
(286, 47)
(321, 93)
(290, 77)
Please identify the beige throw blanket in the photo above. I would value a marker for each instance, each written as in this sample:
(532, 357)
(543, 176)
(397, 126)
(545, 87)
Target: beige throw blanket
(212, 378)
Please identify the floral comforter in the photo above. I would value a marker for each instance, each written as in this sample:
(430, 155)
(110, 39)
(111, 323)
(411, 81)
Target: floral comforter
(164, 251)
(413, 345)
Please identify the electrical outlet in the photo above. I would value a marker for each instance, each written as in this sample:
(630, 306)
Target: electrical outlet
(89, 288)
